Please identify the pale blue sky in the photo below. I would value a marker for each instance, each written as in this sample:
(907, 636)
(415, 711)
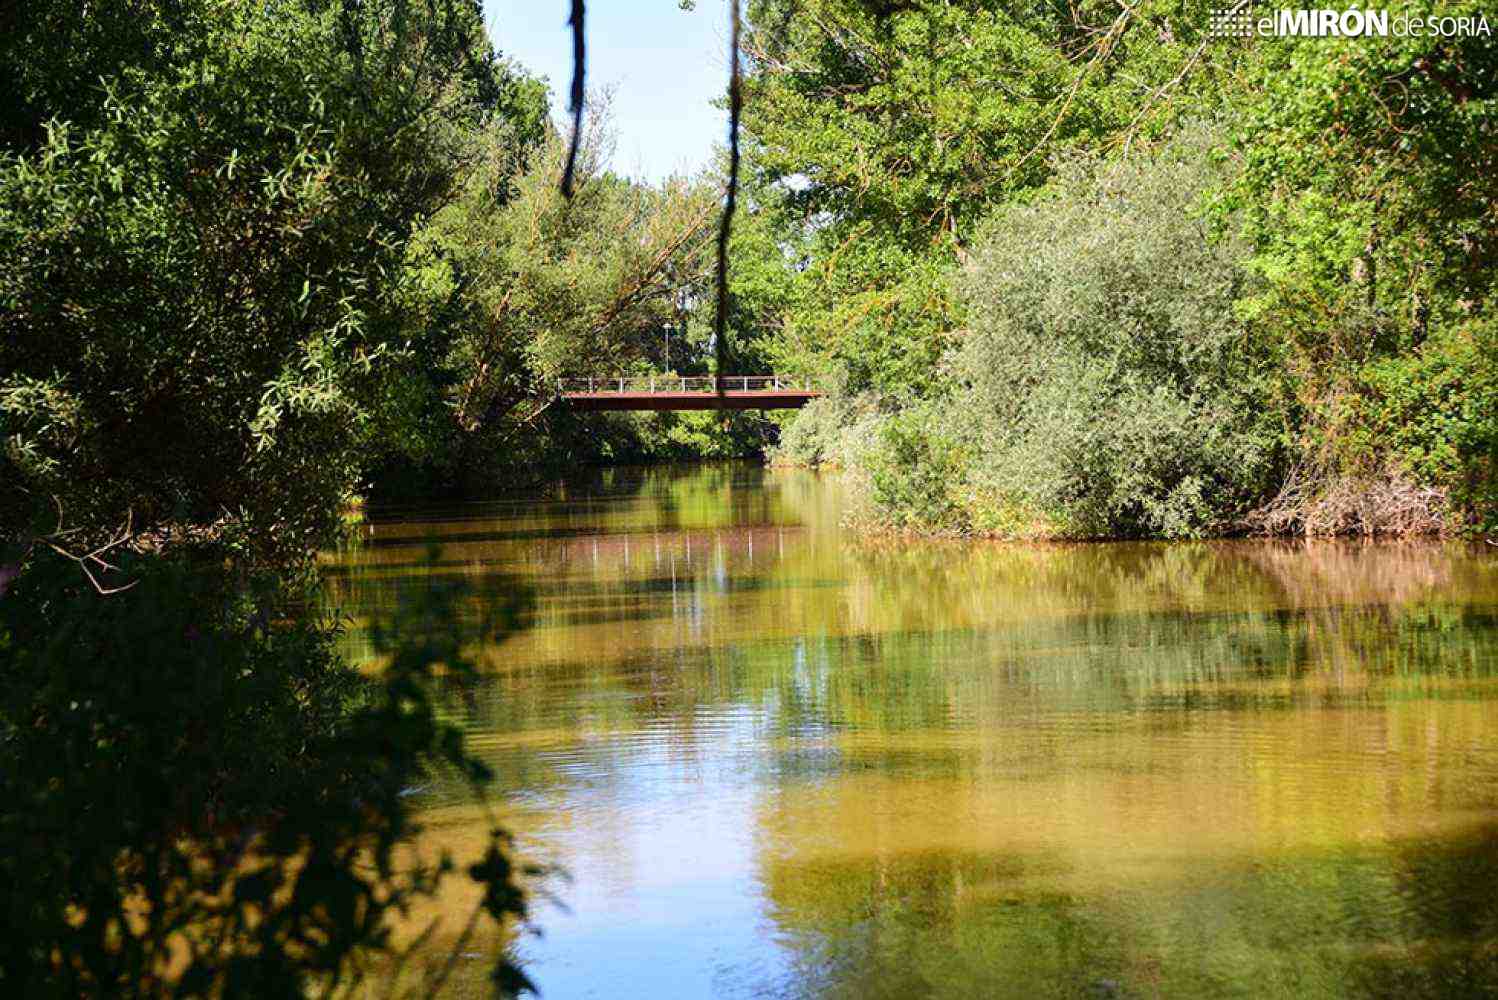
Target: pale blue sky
(665, 65)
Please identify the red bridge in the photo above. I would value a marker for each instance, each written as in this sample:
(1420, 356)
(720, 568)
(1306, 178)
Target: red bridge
(688, 392)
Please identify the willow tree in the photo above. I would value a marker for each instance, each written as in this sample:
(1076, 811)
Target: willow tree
(534, 285)
(894, 128)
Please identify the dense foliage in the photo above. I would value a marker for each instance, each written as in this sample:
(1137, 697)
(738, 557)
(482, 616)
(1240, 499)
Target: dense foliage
(213, 311)
(529, 286)
(923, 160)
(205, 313)
(1368, 192)
(1104, 384)
(202, 799)
(894, 129)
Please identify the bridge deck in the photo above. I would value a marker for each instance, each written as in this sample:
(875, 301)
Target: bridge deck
(659, 392)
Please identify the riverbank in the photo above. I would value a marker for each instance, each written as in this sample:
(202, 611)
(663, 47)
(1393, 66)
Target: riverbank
(1390, 508)
(919, 473)
(1137, 351)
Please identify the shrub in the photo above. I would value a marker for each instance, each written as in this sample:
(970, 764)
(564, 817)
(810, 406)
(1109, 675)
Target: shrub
(1434, 412)
(914, 474)
(1104, 384)
(833, 431)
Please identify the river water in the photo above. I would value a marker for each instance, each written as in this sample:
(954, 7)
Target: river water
(778, 760)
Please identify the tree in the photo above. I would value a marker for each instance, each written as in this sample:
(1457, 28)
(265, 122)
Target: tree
(207, 307)
(531, 286)
(1370, 173)
(554, 286)
(1105, 386)
(212, 310)
(895, 128)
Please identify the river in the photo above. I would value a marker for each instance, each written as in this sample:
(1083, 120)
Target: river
(777, 760)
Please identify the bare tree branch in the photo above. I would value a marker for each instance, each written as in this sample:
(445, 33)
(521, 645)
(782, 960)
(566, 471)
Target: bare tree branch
(125, 534)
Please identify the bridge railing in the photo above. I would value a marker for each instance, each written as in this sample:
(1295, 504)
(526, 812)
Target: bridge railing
(683, 383)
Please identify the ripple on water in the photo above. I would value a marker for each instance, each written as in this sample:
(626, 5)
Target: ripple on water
(779, 763)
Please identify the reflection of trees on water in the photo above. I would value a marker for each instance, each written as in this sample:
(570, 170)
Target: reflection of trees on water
(655, 545)
(989, 769)
(1411, 919)
(817, 632)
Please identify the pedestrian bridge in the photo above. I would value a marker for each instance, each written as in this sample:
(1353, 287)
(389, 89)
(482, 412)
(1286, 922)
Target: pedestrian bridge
(687, 392)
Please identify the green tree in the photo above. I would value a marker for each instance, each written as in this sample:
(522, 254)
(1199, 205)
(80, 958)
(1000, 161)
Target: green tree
(895, 128)
(554, 286)
(1370, 173)
(535, 287)
(212, 312)
(1104, 385)
(206, 308)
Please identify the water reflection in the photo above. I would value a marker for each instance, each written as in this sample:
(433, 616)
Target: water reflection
(780, 761)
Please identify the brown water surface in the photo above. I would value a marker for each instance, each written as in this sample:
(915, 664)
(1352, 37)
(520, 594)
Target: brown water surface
(778, 761)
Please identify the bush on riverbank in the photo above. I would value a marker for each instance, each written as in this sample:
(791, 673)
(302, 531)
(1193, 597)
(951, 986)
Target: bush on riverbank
(1102, 385)
(1410, 448)
(1436, 410)
(1104, 381)
(203, 799)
